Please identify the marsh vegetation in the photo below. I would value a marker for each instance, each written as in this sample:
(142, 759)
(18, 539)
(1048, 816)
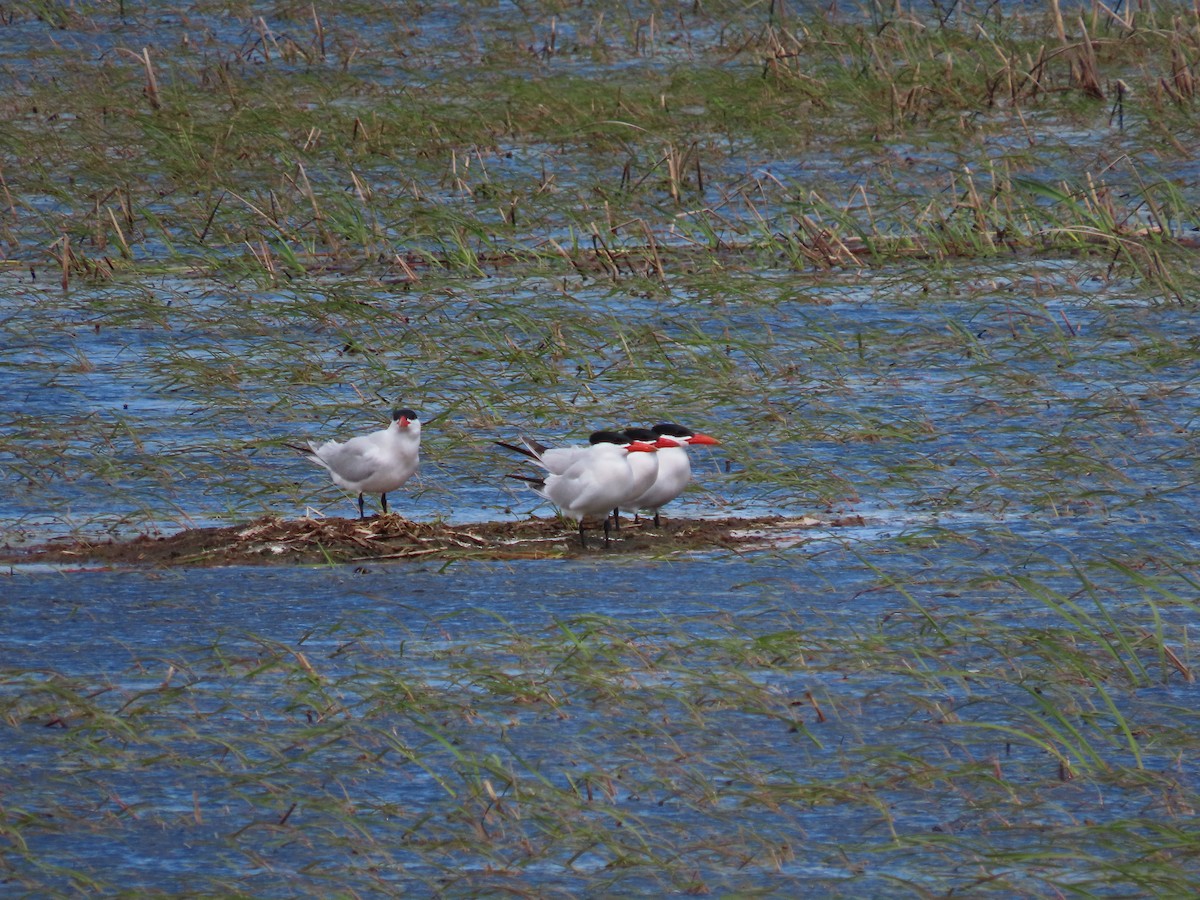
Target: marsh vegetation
(927, 270)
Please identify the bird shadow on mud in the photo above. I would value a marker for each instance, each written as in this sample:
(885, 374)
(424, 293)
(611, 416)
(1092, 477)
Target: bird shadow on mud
(276, 541)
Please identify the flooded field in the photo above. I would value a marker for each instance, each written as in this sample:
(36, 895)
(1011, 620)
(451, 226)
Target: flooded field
(922, 624)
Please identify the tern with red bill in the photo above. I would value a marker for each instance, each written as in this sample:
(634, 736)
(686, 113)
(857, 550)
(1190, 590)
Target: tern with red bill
(595, 482)
(645, 471)
(674, 467)
(373, 463)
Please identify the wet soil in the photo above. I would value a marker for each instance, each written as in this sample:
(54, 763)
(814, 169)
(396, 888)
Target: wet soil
(274, 541)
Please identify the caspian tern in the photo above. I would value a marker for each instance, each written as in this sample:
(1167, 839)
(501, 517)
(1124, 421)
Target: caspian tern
(593, 484)
(674, 467)
(644, 467)
(373, 463)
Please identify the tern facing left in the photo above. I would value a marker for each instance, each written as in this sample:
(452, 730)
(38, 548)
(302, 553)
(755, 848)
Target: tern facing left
(373, 463)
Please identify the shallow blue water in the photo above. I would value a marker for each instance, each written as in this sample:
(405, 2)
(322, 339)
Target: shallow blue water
(204, 662)
(868, 708)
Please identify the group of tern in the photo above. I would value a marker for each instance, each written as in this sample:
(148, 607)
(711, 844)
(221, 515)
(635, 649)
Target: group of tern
(634, 470)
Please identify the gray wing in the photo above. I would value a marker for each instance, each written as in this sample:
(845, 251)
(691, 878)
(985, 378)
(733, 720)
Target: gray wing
(351, 461)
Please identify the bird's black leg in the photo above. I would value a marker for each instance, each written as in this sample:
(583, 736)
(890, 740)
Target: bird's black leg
(582, 537)
(617, 518)
(606, 531)
(360, 506)
(383, 502)
(656, 522)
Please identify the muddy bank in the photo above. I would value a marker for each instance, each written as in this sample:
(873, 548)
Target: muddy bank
(274, 541)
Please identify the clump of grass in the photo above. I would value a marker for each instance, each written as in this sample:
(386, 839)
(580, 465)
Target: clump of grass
(305, 152)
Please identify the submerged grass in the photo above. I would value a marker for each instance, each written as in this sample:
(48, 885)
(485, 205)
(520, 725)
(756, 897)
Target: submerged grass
(710, 753)
(927, 271)
(217, 154)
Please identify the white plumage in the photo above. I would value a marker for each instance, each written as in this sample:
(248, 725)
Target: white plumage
(373, 463)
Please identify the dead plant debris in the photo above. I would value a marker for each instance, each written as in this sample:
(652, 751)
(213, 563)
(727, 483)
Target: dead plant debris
(276, 541)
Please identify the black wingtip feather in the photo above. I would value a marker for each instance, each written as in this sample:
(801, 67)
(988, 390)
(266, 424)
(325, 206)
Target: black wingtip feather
(515, 449)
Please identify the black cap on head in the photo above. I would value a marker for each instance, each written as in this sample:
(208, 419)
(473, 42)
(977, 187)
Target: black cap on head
(607, 437)
(641, 434)
(404, 413)
(670, 429)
